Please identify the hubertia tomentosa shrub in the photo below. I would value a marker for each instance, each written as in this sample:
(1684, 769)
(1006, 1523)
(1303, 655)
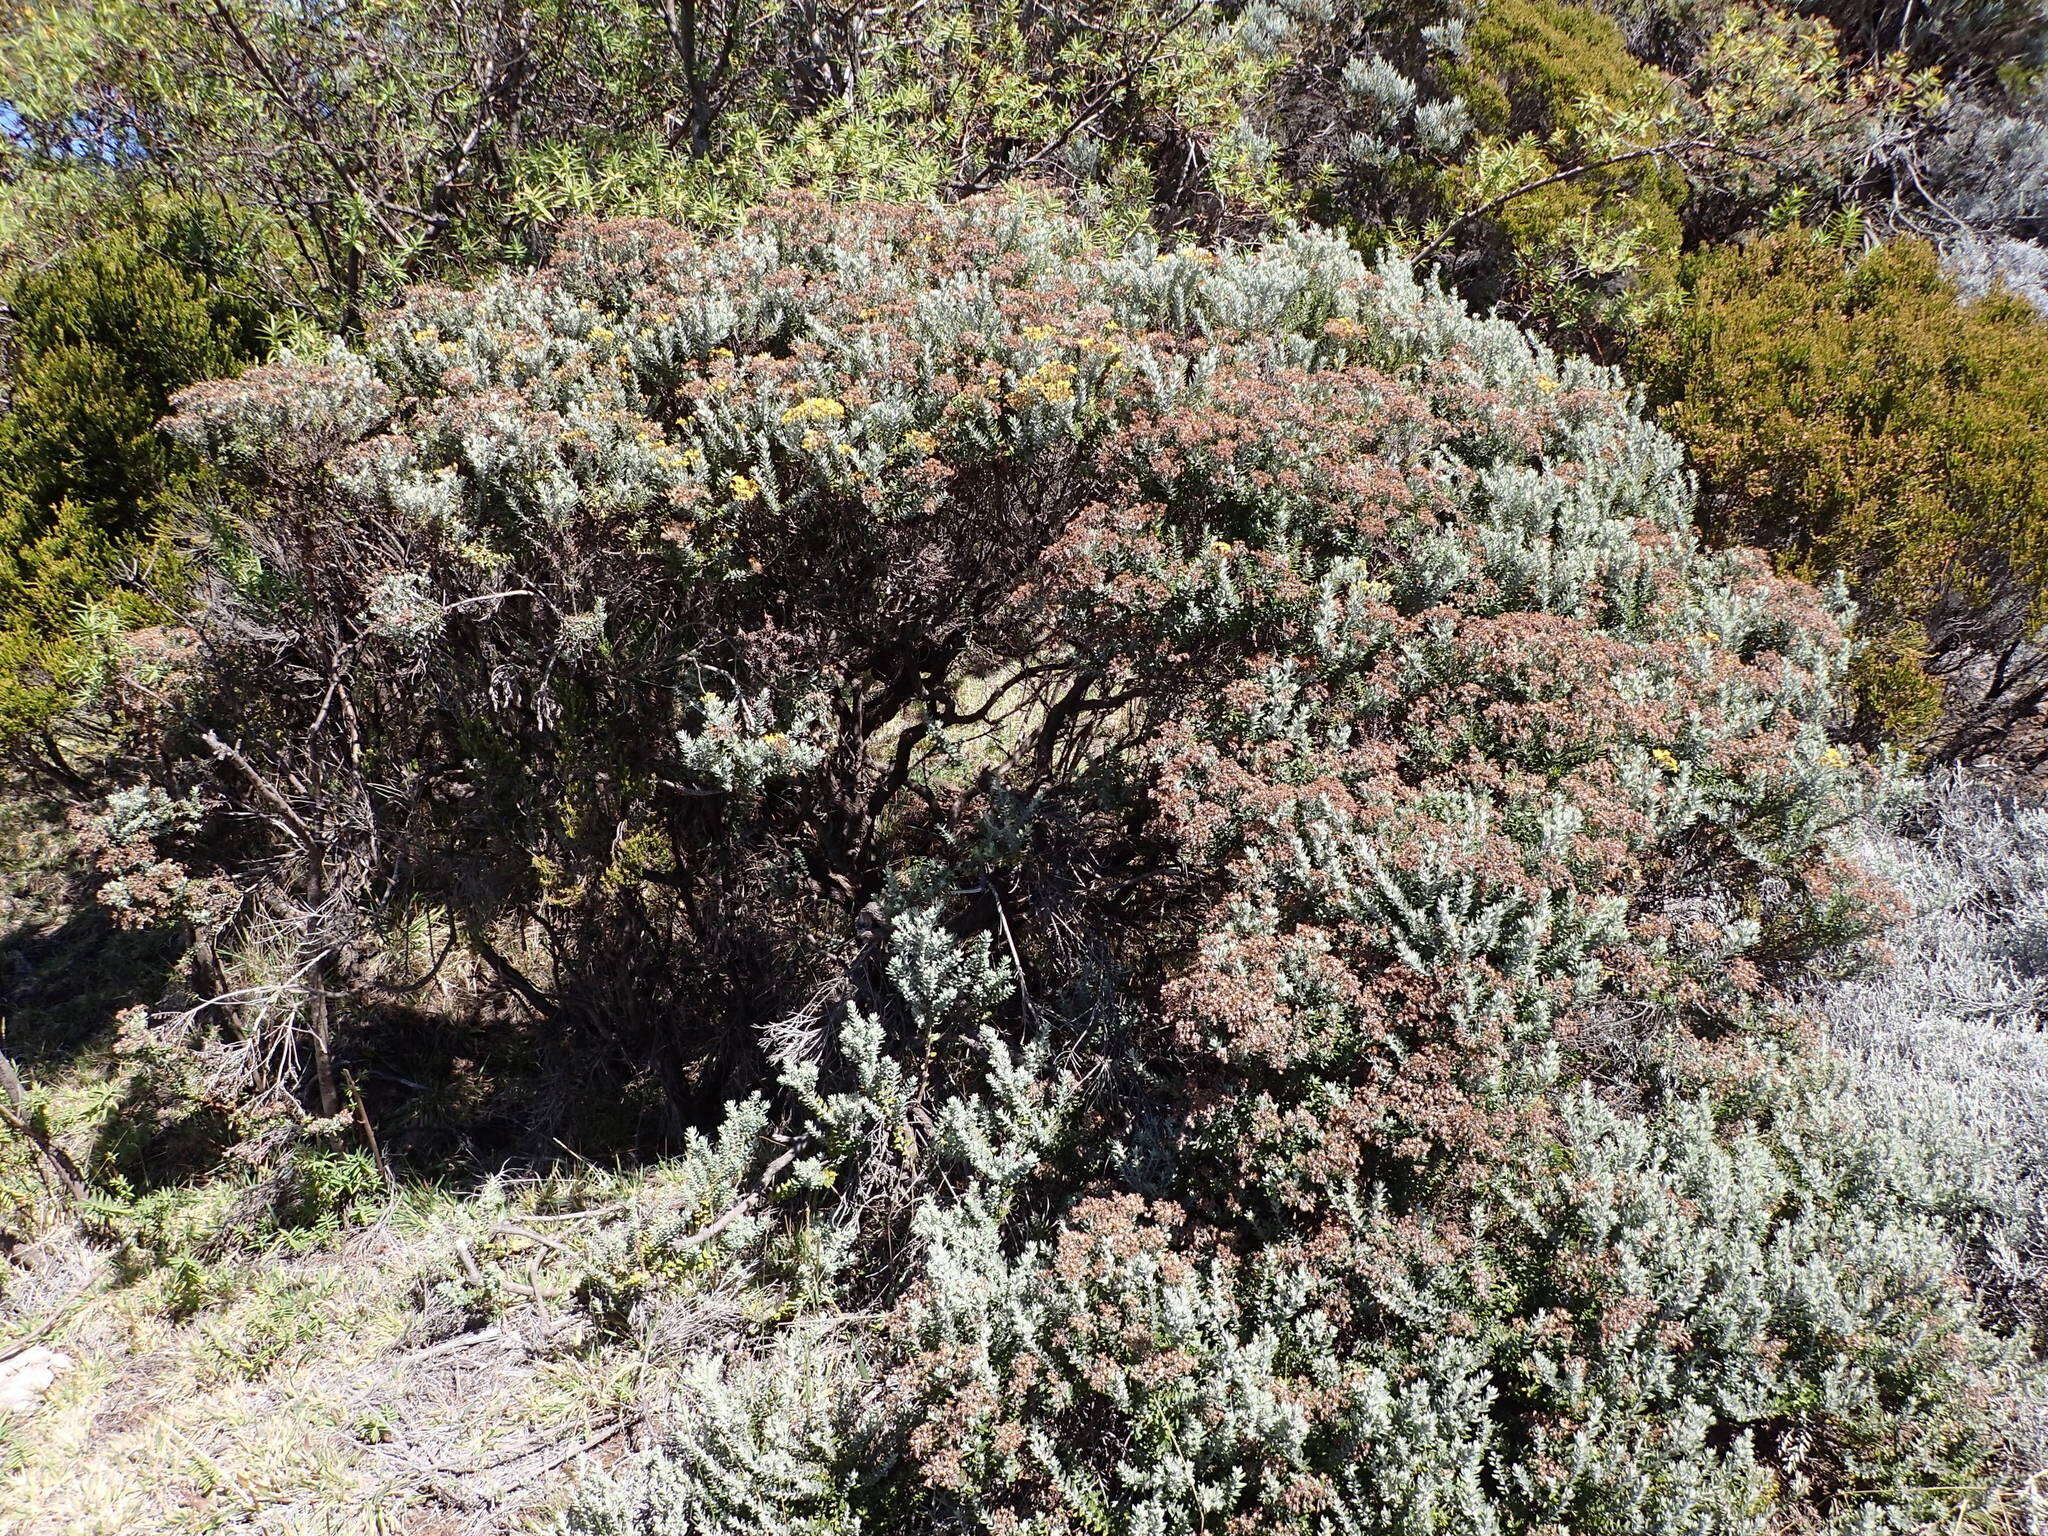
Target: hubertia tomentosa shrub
(1255, 858)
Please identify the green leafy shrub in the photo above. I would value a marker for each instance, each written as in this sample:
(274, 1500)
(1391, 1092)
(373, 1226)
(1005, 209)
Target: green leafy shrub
(1256, 863)
(102, 338)
(1551, 163)
(1549, 86)
(1859, 419)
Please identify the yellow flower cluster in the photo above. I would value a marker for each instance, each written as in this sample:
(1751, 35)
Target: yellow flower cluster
(1047, 384)
(816, 408)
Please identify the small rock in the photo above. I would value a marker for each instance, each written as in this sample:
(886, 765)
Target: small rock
(25, 1378)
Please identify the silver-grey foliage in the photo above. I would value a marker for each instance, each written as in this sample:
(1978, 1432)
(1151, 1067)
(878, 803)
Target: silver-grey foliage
(1980, 264)
(1947, 1043)
(749, 1448)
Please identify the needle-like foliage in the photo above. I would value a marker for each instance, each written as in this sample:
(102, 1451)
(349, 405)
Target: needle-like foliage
(1258, 860)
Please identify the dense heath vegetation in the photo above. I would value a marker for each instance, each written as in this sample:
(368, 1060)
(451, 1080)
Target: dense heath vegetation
(1105, 768)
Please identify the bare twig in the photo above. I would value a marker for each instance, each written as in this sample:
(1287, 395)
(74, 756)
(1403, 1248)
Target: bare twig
(267, 791)
(15, 1111)
(1569, 173)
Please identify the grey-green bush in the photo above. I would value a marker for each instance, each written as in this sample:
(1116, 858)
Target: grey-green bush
(1253, 861)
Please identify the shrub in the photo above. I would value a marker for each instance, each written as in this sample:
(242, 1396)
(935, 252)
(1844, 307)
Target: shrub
(1946, 1039)
(1551, 163)
(1256, 855)
(1860, 420)
(1992, 167)
(681, 570)
(752, 1445)
(1982, 267)
(1595, 253)
(1642, 1330)
(375, 145)
(102, 338)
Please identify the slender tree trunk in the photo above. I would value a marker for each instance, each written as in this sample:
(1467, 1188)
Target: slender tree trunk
(318, 1028)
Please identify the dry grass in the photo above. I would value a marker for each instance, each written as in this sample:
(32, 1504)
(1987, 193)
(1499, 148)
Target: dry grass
(419, 1361)
(323, 1392)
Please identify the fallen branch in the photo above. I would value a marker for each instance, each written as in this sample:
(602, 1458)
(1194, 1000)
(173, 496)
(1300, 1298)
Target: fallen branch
(460, 1341)
(582, 1448)
(738, 1208)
